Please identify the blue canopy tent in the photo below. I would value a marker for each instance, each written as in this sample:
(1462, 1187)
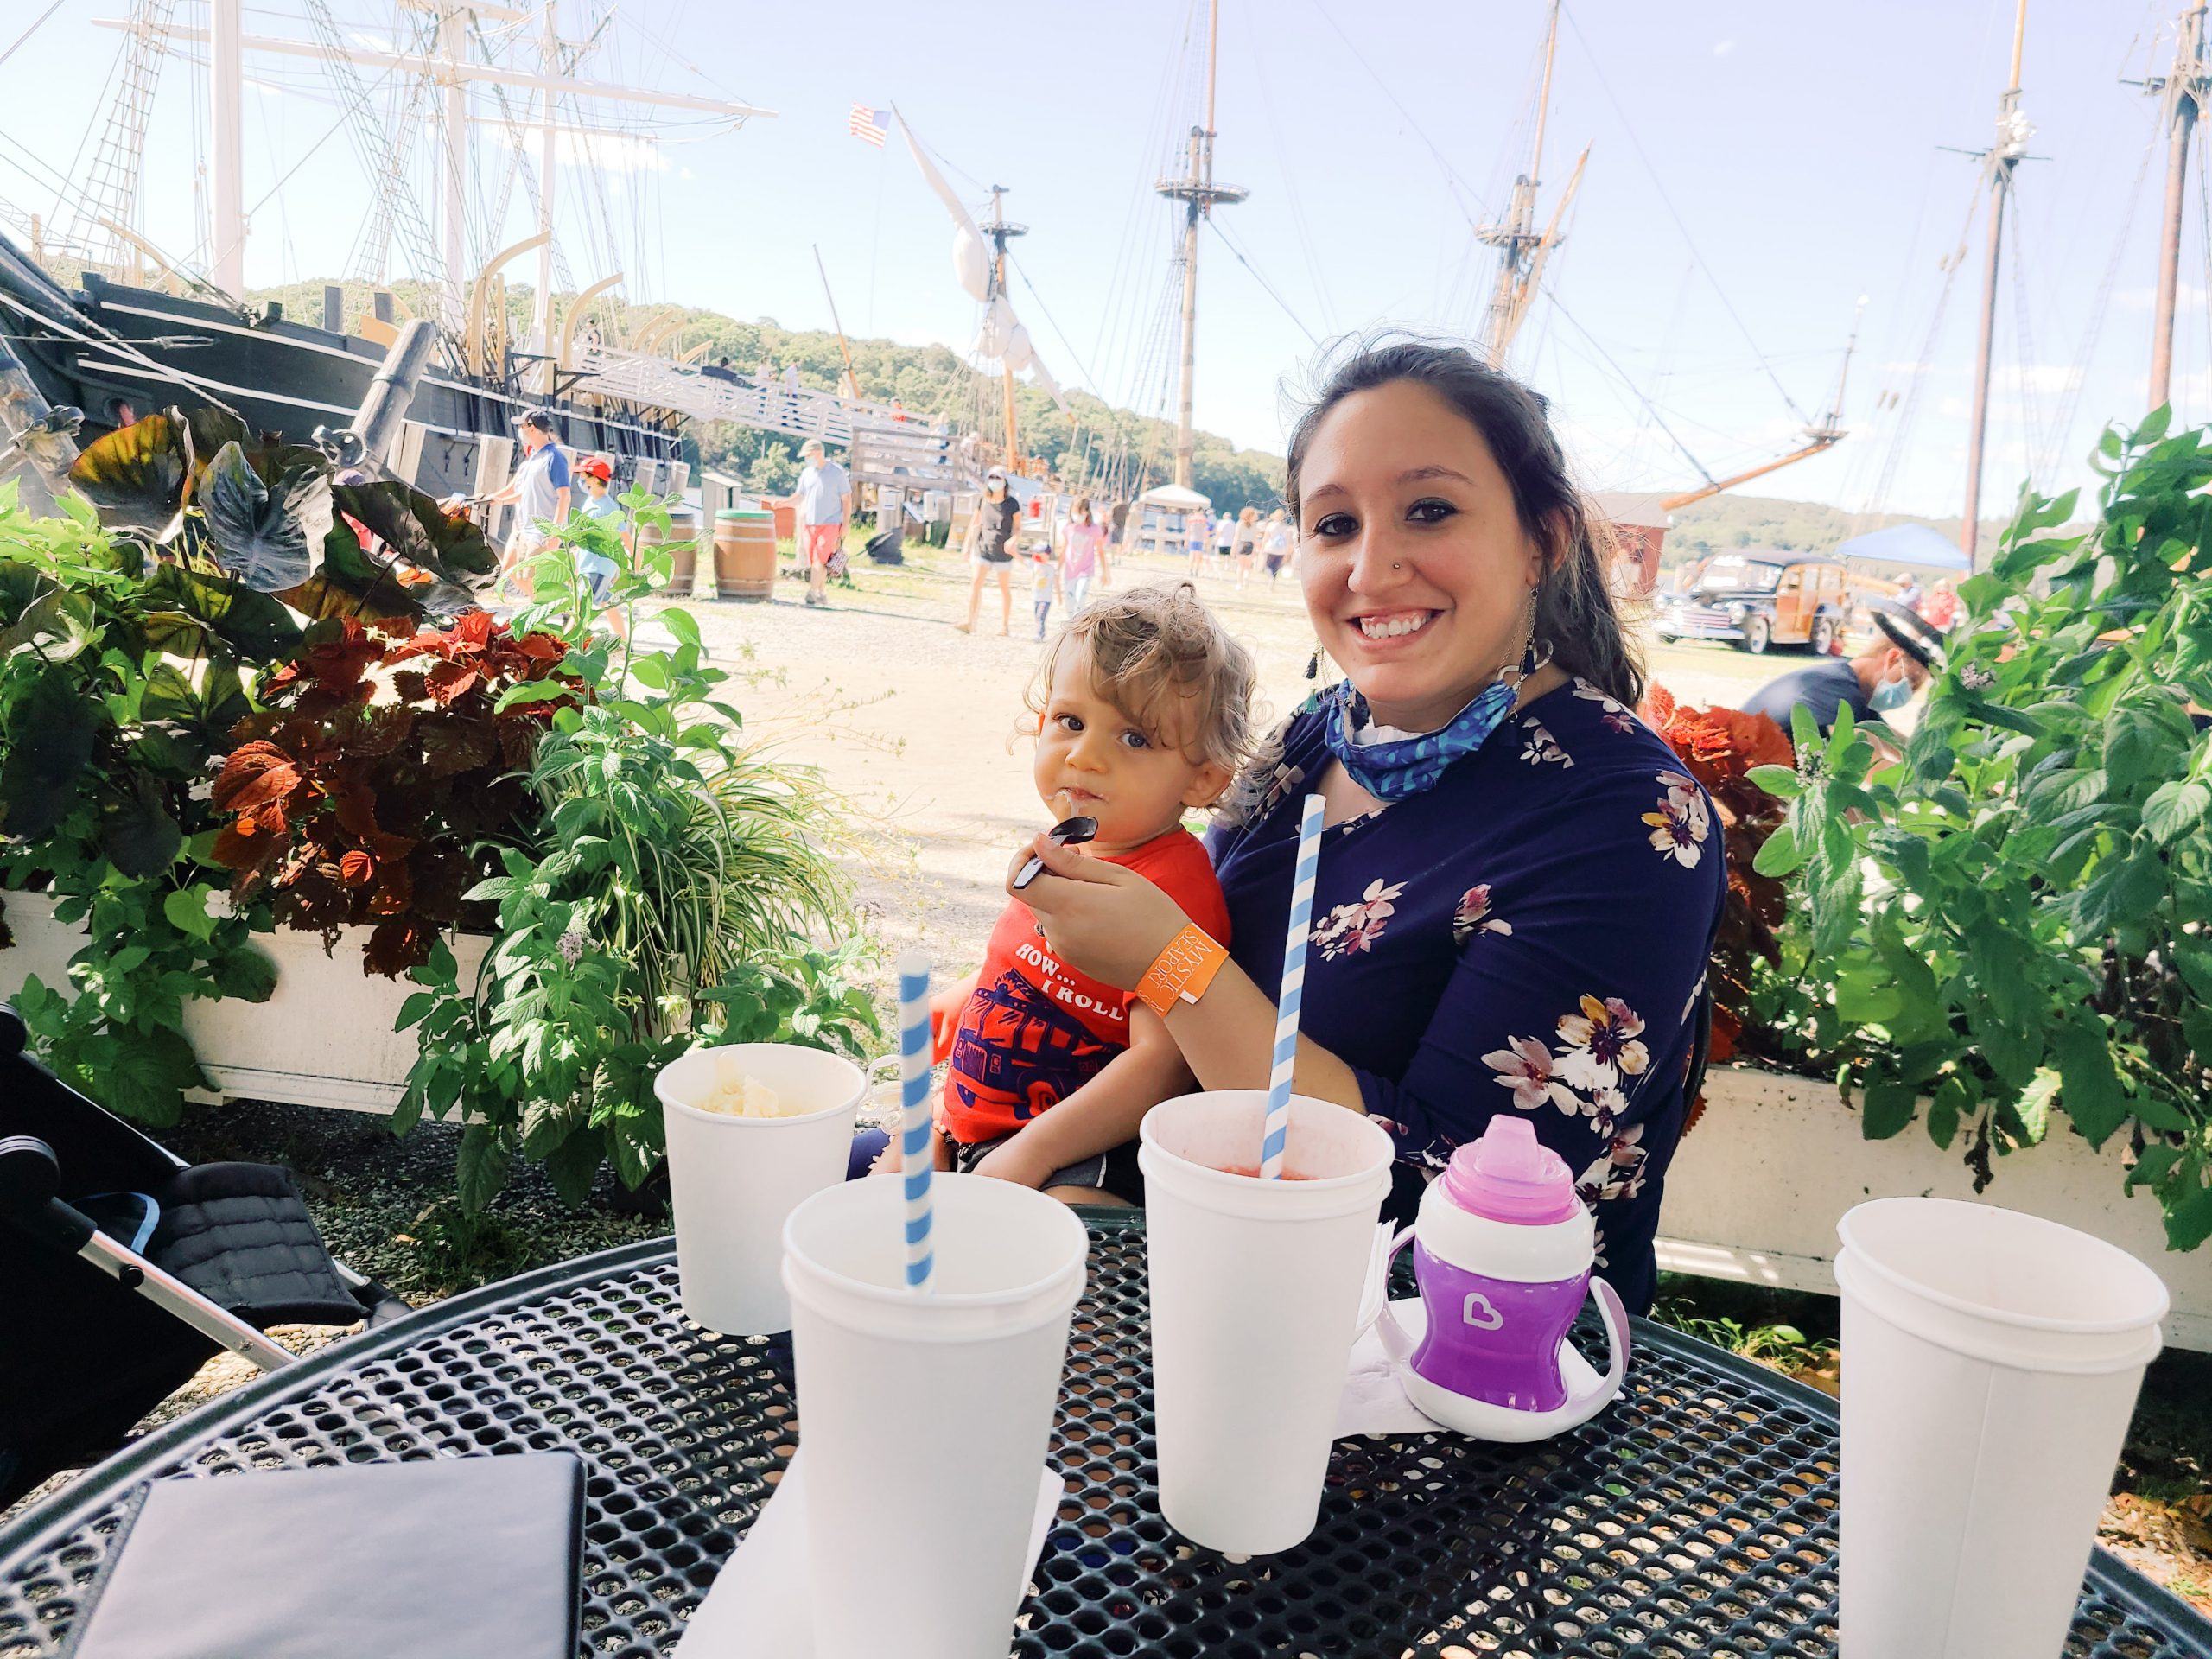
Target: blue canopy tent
(1914, 546)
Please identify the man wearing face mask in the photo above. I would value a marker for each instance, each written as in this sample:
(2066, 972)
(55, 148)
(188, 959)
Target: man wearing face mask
(1879, 680)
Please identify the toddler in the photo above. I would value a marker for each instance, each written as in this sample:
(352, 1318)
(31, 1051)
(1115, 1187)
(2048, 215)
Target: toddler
(1044, 581)
(1144, 713)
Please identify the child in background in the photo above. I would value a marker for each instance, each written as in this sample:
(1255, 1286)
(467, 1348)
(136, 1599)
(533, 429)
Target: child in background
(1043, 580)
(1144, 713)
(1083, 554)
(595, 560)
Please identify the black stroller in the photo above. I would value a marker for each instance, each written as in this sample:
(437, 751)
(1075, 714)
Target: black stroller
(124, 1268)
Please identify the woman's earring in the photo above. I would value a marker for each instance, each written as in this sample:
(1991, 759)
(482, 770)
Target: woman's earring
(1313, 664)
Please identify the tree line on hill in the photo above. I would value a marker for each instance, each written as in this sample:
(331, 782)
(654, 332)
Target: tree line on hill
(931, 382)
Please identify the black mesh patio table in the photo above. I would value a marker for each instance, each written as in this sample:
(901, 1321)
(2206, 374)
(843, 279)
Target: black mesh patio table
(1696, 1515)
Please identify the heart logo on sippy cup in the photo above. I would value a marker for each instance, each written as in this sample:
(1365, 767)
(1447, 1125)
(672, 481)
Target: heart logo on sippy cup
(1488, 1320)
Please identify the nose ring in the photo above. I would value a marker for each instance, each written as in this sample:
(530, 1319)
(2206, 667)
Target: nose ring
(1394, 566)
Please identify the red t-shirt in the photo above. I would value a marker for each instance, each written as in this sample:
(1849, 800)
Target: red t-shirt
(1035, 1030)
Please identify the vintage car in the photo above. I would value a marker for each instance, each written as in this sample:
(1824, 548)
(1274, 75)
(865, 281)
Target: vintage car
(1760, 599)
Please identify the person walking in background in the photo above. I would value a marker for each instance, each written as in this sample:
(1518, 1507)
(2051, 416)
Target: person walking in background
(824, 501)
(1225, 537)
(989, 547)
(1044, 581)
(1245, 538)
(1194, 532)
(1083, 554)
(1910, 595)
(1117, 522)
(1275, 542)
(539, 491)
(1940, 609)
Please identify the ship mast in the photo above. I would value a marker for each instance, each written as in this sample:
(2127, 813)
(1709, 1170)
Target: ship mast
(1001, 230)
(1198, 194)
(1521, 249)
(2002, 159)
(452, 68)
(2184, 92)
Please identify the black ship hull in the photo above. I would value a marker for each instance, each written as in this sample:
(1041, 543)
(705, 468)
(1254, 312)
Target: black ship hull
(118, 353)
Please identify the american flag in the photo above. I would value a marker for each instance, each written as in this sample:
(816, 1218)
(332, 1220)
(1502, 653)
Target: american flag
(867, 125)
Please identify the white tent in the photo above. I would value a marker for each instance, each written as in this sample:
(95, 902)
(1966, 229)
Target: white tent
(1174, 498)
(1914, 546)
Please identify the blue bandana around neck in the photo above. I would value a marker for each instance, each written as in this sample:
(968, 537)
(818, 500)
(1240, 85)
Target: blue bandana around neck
(1397, 770)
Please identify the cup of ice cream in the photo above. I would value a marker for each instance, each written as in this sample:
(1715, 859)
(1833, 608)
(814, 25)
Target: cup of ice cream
(751, 1129)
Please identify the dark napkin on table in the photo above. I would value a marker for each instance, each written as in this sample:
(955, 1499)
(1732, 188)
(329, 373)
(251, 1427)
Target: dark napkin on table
(455, 1558)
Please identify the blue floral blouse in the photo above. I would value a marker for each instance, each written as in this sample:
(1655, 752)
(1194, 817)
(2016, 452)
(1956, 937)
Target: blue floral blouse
(1529, 935)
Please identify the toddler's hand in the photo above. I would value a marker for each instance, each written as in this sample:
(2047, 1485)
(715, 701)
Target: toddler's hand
(944, 1022)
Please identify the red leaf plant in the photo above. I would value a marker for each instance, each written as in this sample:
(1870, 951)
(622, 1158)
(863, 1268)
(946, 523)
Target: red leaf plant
(377, 763)
(1719, 747)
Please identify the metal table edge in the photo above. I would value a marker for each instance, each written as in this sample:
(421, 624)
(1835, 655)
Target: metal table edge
(97, 1488)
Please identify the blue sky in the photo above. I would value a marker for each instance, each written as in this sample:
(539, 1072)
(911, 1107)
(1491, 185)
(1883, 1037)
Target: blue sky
(1754, 169)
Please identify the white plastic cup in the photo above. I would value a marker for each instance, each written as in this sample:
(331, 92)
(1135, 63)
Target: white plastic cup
(926, 1419)
(1990, 1362)
(1255, 1296)
(733, 1181)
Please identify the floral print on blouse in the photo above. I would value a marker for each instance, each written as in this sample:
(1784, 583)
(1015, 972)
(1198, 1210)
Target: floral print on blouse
(1528, 936)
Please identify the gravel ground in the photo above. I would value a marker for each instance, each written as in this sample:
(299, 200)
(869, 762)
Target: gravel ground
(914, 724)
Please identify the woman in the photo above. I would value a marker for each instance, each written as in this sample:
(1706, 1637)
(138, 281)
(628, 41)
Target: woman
(1518, 887)
(1274, 542)
(989, 547)
(1082, 555)
(1246, 537)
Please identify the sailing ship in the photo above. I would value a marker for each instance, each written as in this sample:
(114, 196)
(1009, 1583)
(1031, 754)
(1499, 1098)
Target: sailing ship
(96, 334)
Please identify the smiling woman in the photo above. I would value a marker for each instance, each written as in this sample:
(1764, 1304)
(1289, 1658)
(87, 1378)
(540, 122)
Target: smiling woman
(1518, 889)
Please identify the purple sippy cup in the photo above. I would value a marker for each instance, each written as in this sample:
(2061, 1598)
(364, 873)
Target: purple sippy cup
(1503, 1251)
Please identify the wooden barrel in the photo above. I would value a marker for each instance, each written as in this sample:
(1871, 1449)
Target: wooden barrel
(682, 539)
(745, 554)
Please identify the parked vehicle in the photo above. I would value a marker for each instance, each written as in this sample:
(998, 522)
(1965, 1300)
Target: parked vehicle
(1758, 599)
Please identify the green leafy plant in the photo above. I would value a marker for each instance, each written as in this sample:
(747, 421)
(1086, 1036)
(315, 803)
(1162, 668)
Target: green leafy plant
(116, 686)
(669, 900)
(276, 518)
(2010, 920)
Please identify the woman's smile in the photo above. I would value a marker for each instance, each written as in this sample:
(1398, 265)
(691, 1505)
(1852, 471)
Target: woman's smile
(1384, 627)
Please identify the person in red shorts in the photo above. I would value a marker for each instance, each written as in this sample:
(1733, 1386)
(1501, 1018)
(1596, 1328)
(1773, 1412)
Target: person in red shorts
(1144, 713)
(824, 503)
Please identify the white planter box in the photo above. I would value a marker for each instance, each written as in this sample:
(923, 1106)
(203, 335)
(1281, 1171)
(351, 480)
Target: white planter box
(1758, 1186)
(325, 1038)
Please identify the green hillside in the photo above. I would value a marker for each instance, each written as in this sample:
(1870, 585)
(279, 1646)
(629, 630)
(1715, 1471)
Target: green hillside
(1721, 523)
(928, 380)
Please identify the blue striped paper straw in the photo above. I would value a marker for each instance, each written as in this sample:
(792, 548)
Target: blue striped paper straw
(917, 1157)
(1277, 1134)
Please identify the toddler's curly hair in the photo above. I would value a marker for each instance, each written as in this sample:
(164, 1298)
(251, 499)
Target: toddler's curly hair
(1149, 649)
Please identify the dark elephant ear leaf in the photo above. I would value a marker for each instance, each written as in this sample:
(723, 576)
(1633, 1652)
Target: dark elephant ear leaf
(415, 528)
(137, 831)
(134, 477)
(355, 583)
(265, 534)
(254, 625)
(44, 751)
(206, 430)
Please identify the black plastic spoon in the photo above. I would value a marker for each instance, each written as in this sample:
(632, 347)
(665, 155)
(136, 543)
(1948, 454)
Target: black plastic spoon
(1066, 832)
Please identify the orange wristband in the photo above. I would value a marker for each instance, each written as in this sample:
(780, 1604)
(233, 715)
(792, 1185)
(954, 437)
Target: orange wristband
(1181, 972)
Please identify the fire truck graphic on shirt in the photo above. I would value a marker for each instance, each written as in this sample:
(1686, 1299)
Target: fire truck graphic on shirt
(1035, 1030)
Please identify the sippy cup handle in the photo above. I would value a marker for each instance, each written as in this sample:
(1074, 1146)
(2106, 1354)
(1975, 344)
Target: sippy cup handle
(1615, 1315)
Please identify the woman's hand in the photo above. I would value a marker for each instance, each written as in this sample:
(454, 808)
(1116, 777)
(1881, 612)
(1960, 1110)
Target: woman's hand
(1098, 918)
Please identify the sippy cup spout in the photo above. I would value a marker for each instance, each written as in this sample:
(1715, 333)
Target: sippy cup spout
(1509, 1175)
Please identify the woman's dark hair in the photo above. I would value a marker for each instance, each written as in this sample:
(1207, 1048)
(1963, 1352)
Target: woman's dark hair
(1576, 621)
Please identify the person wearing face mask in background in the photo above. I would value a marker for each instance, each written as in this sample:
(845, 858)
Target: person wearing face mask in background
(1878, 681)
